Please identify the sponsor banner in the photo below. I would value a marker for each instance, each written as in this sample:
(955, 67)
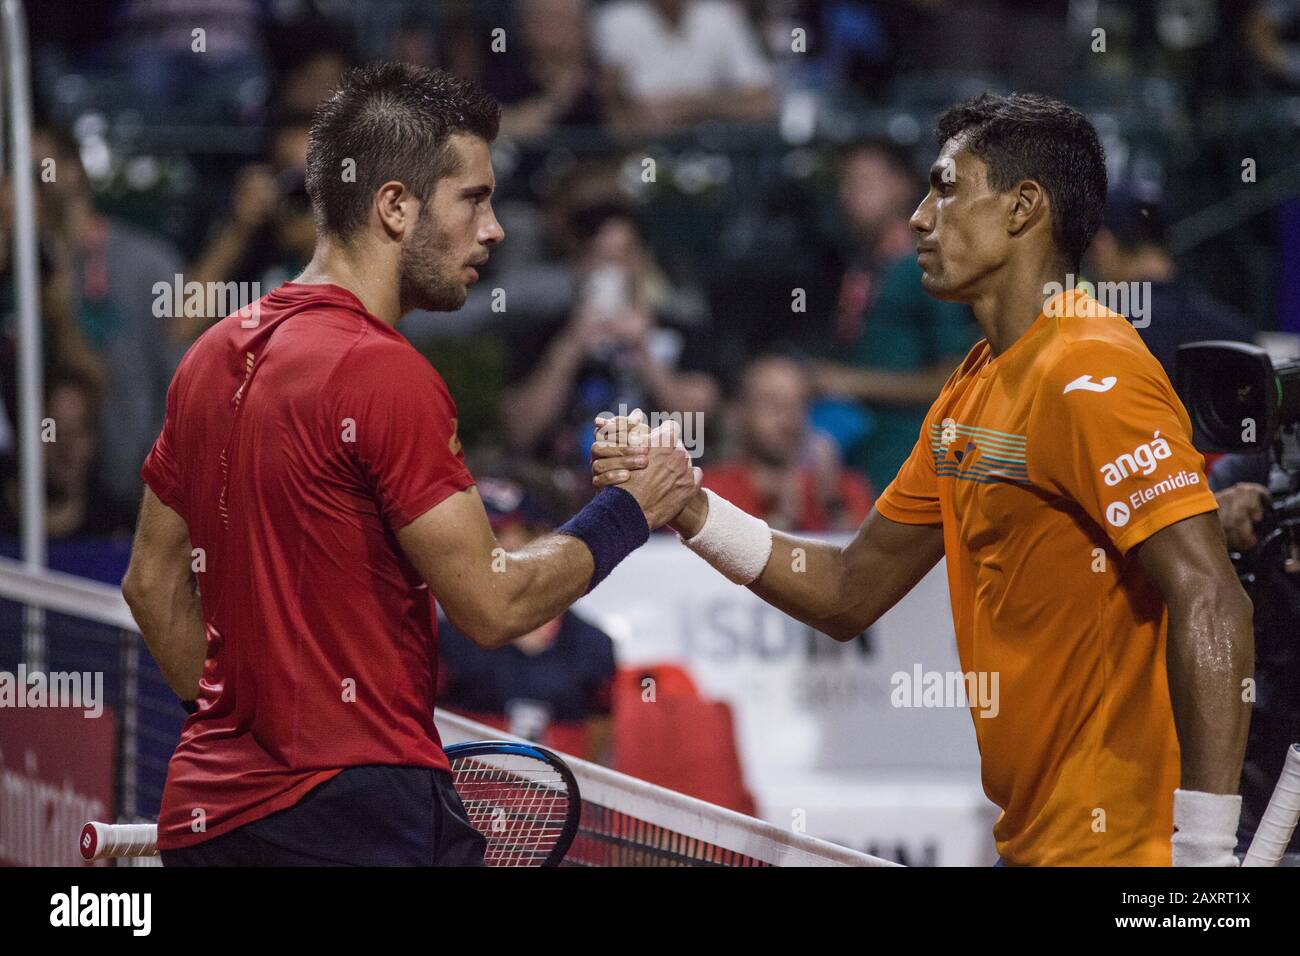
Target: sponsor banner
(56, 773)
(802, 701)
(916, 821)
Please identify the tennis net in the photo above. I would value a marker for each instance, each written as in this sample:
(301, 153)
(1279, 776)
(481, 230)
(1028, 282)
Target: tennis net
(630, 822)
(101, 753)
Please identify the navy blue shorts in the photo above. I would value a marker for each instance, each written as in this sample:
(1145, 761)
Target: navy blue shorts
(364, 816)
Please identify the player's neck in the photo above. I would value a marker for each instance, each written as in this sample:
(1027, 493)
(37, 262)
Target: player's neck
(1013, 299)
(333, 265)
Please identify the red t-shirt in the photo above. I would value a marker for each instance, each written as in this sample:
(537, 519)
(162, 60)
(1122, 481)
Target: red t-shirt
(295, 450)
(732, 481)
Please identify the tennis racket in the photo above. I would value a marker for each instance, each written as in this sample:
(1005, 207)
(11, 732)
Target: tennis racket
(522, 798)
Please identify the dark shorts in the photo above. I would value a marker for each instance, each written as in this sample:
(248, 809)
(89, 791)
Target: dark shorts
(364, 816)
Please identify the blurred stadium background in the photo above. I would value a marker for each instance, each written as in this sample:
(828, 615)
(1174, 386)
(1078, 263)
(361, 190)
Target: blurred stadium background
(709, 219)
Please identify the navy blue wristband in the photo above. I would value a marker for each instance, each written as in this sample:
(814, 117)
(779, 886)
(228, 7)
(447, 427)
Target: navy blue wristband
(612, 526)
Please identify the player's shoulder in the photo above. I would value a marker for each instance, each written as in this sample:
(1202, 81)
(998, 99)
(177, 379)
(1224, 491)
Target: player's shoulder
(210, 349)
(386, 363)
(965, 373)
(1095, 346)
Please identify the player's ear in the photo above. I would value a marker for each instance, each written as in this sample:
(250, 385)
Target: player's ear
(396, 208)
(1028, 205)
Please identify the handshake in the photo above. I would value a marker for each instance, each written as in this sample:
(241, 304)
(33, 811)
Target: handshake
(652, 466)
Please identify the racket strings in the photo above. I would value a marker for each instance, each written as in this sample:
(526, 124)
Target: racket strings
(518, 803)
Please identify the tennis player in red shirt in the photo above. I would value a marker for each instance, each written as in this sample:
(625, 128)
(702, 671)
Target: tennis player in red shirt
(308, 498)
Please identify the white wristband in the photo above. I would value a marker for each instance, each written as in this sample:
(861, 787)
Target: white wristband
(1205, 827)
(736, 543)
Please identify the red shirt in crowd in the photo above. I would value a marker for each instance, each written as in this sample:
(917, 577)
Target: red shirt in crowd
(733, 482)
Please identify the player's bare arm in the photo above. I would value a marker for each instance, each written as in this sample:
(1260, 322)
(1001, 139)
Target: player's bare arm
(491, 595)
(1209, 655)
(1210, 652)
(163, 595)
(842, 591)
(494, 596)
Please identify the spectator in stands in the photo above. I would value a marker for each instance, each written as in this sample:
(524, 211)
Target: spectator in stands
(76, 504)
(63, 342)
(114, 268)
(65, 348)
(1130, 248)
(674, 63)
(195, 53)
(269, 236)
(849, 47)
(614, 348)
(787, 473)
(311, 56)
(545, 79)
(899, 345)
(552, 686)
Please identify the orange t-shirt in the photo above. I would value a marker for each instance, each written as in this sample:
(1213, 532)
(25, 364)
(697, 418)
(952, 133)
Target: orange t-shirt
(1047, 466)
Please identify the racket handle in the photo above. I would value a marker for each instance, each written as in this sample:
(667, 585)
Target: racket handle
(1279, 820)
(100, 841)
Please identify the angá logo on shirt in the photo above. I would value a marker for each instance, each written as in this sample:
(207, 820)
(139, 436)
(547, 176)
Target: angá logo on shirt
(1143, 458)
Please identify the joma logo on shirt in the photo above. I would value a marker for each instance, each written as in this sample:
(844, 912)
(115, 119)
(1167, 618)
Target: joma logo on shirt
(1141, 459)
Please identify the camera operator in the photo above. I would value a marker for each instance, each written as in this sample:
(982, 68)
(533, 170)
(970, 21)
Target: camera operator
(1240, 483)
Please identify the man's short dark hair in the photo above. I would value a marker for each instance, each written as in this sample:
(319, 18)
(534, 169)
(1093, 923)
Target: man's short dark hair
(1030, 136)
(393, 121)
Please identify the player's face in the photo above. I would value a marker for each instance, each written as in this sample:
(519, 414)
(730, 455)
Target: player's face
(450, 241)
(960, 226)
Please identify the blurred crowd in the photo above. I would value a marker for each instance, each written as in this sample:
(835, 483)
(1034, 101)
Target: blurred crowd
(706, 207)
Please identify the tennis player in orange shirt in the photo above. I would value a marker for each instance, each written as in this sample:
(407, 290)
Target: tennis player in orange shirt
(1055, 472)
